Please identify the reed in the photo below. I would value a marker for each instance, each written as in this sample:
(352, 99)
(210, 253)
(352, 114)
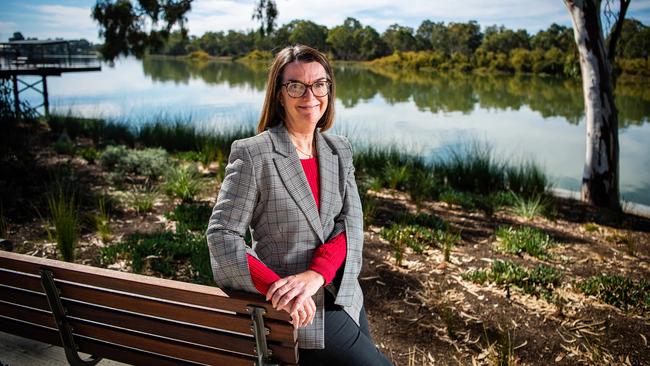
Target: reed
(64, 219)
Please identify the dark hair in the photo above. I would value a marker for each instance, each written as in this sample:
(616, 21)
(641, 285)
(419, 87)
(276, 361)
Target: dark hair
(273, 112)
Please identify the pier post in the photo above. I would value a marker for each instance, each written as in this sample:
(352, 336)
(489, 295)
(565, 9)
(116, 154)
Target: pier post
(46, 103)
(14, 78)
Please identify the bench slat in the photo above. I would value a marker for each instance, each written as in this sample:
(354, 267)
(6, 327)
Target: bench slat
(172, 349)
(114, 352)
(112, 310)
(280, 331)
(207, 296)
(183, 332)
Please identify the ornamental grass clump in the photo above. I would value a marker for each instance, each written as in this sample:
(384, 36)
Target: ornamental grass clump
(65, 221)
(182, 181)
(413, 236)
(191, 216)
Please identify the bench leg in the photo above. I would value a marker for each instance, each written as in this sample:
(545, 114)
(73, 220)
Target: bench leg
(70, 348)
(260, 332)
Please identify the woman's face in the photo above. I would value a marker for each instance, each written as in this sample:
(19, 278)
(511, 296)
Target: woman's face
(302, 114)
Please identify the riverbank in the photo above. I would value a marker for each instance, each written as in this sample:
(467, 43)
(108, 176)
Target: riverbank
(464, 273)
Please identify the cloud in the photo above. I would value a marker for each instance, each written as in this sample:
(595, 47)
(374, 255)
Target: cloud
(218, 15)
(50, 21)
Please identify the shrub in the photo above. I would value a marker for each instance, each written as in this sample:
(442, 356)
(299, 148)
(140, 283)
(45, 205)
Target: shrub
(618, 291)
(163, 252)
(542, 280)
(526, 239)
(151, 163)
(191, 216)
(182, 182)
(63, 144)
(90, 154)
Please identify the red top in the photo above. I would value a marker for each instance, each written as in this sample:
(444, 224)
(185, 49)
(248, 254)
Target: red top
(327, 258)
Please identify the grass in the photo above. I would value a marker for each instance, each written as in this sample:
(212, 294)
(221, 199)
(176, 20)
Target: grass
(163, 253)
(422, 219)
(472, 168)
(524, 240)
(540, 281)
(448, 240)
(191, 216)
(103, 220)
(65, 220)
(413, 236)
(182, 182)
(618, 291)
(143, 199)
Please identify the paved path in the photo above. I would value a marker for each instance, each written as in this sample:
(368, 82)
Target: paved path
(18, 351)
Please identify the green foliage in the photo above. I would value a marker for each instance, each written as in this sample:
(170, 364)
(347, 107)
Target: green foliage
(163, 253)
(368, 202)
(542, 280)
(447, 240)
(618, 291)
(257, 56)
(63, 144)
(526, 239)
(90, 154)
(396, 175)
(63, 217)
(132, 28)
(422, 219)
(414, 236)
(183, 182)
(191, 216)
(142, 199)
(472, 168)
(103, 219)
(151, 163)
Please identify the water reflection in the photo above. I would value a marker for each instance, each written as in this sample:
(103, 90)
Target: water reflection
(549, 96)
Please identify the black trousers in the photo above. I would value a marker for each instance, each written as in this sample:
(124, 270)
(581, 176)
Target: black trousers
(346, 344)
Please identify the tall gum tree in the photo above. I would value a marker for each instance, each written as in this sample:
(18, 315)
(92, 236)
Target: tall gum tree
(600, 177)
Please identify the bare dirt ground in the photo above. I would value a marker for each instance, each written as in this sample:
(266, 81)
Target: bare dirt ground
(423, 312)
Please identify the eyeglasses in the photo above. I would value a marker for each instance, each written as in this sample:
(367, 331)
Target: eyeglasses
(297, 89)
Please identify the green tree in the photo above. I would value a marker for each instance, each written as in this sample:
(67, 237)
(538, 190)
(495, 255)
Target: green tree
(136, 29)
(266, 12)
(424, 34)
(464, 38)
(399, 38)
(308, 33)
(371, 45)
(342, 41)
(635, 40)
(502, 40)
(440, 38)
(557, 36)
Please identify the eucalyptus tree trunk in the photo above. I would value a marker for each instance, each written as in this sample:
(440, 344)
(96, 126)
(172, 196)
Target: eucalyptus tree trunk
(601, 171)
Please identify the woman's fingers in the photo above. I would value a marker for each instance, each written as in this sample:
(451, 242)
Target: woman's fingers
(275, 286)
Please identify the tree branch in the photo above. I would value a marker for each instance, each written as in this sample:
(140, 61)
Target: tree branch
(616, 33)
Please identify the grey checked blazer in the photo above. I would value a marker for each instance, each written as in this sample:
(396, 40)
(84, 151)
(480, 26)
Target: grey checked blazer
(265, 189)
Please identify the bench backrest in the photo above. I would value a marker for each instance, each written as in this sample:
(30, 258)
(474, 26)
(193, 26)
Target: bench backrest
(138, 319)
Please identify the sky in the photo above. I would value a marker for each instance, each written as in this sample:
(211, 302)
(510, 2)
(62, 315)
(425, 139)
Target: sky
(70, 19)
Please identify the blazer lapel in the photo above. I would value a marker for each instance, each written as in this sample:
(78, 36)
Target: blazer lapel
(291, 173)
(328, 171)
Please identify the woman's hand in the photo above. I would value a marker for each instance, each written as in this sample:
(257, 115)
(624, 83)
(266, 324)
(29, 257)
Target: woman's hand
(304, 315)
(295, 290)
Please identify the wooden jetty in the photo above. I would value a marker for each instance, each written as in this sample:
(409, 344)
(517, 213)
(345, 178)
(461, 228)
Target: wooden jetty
(35, 58)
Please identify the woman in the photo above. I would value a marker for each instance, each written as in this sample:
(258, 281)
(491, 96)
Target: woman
(293, 186)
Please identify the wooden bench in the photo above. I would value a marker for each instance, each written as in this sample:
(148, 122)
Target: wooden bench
(137, 319)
